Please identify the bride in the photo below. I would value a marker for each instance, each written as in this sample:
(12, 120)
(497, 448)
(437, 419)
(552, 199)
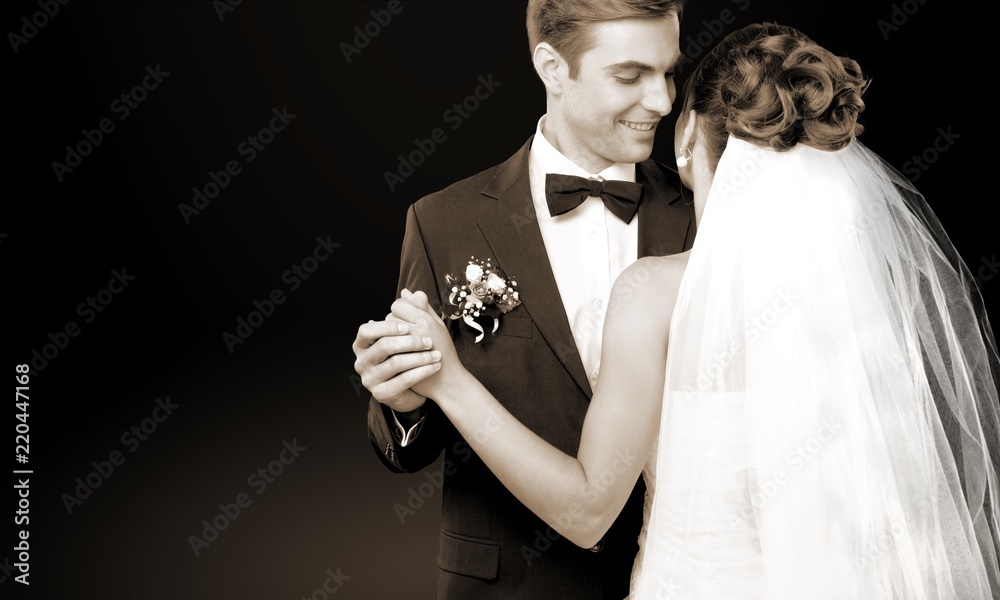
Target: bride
(810, 392)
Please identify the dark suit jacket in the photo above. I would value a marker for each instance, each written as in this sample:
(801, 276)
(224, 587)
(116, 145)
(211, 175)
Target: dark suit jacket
(491, 546)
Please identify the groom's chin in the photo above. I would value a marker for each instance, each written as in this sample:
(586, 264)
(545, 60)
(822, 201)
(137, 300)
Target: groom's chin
(636, 153)
(635, 150)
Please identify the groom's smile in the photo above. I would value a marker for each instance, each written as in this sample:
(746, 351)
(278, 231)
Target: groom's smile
(641, 127)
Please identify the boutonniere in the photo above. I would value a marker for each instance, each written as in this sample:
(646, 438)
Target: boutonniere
(483, 292)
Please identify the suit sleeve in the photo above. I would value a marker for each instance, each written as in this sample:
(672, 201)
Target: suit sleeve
(415, 274)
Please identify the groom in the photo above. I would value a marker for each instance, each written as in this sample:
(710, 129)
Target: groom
(606, 67)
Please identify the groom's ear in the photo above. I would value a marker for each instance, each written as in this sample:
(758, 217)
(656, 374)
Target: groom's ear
(550, 66)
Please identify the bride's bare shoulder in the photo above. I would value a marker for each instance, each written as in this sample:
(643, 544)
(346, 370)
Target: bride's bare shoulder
(649, 285)
(656, 275)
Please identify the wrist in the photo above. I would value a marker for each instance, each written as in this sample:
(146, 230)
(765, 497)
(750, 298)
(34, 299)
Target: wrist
(455, 388)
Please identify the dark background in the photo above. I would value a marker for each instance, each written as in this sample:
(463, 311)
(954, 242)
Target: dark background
(291, 380)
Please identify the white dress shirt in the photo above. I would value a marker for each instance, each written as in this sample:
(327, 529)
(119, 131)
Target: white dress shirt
(588, 247)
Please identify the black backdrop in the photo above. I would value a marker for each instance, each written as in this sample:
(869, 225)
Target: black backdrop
(123, 530)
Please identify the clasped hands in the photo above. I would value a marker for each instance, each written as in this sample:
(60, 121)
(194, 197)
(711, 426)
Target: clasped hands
(408, 357)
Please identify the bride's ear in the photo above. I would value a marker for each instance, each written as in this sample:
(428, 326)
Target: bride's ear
(687, 130)
(685, 137)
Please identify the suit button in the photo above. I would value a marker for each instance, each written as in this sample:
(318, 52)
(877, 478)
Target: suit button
(598, 546)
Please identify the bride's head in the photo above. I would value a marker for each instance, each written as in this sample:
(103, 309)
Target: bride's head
(772, 86)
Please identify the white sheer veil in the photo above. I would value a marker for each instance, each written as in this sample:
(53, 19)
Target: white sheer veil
(823, 293)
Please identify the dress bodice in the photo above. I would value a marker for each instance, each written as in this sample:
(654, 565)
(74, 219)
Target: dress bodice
(713, 550)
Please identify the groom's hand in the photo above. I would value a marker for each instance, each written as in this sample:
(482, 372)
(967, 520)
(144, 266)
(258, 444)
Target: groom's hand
(414, 310)
(390, 360)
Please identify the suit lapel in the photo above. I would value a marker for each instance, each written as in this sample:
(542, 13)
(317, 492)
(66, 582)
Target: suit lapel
(511, 230)
(666, 225)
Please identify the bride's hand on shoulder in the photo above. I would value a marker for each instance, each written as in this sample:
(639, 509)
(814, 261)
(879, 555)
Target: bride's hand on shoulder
(414, 308)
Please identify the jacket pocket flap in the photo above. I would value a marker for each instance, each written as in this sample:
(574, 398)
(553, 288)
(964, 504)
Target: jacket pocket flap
(516, 326)
(468, 556)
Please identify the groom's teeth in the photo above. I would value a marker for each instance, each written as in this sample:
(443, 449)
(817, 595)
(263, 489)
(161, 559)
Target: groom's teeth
(637, 126)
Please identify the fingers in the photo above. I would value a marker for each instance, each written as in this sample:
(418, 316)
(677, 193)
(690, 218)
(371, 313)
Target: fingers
(372, 331)
(405, 310)
(405, 380)
(386, 349)
(399, 363)
(387, 346)
(393, 377)
(418, 299)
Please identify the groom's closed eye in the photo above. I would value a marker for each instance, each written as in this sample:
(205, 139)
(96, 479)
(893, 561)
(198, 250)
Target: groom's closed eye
(630, 72)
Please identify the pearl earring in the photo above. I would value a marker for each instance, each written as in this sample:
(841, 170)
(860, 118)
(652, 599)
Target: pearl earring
(684, 159)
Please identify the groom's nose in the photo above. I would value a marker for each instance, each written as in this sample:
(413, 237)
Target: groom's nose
(657, 96)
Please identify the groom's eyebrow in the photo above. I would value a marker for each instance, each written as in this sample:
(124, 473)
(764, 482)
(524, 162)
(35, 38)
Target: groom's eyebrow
(634, 65)
(630, 65)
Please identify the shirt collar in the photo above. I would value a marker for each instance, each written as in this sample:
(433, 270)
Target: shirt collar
(545, 158)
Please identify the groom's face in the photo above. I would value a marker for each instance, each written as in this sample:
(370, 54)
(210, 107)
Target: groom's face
(623, 88)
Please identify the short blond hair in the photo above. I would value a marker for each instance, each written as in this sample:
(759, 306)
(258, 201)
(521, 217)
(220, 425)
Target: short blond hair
(565, 24)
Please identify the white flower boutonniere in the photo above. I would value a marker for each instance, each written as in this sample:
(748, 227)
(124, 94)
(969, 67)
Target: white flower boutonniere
(482, 297)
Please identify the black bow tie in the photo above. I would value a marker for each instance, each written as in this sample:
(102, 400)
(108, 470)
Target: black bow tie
(565, 192)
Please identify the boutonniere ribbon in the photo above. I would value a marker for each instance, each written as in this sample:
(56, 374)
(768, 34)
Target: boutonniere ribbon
(482, 291)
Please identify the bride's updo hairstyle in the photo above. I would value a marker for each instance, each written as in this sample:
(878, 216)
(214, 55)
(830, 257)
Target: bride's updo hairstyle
(772, 86)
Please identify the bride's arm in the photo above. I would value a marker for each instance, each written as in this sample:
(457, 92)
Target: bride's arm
(580, 497)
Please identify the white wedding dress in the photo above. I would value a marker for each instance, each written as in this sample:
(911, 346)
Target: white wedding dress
(830, 420)
(710, 547)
